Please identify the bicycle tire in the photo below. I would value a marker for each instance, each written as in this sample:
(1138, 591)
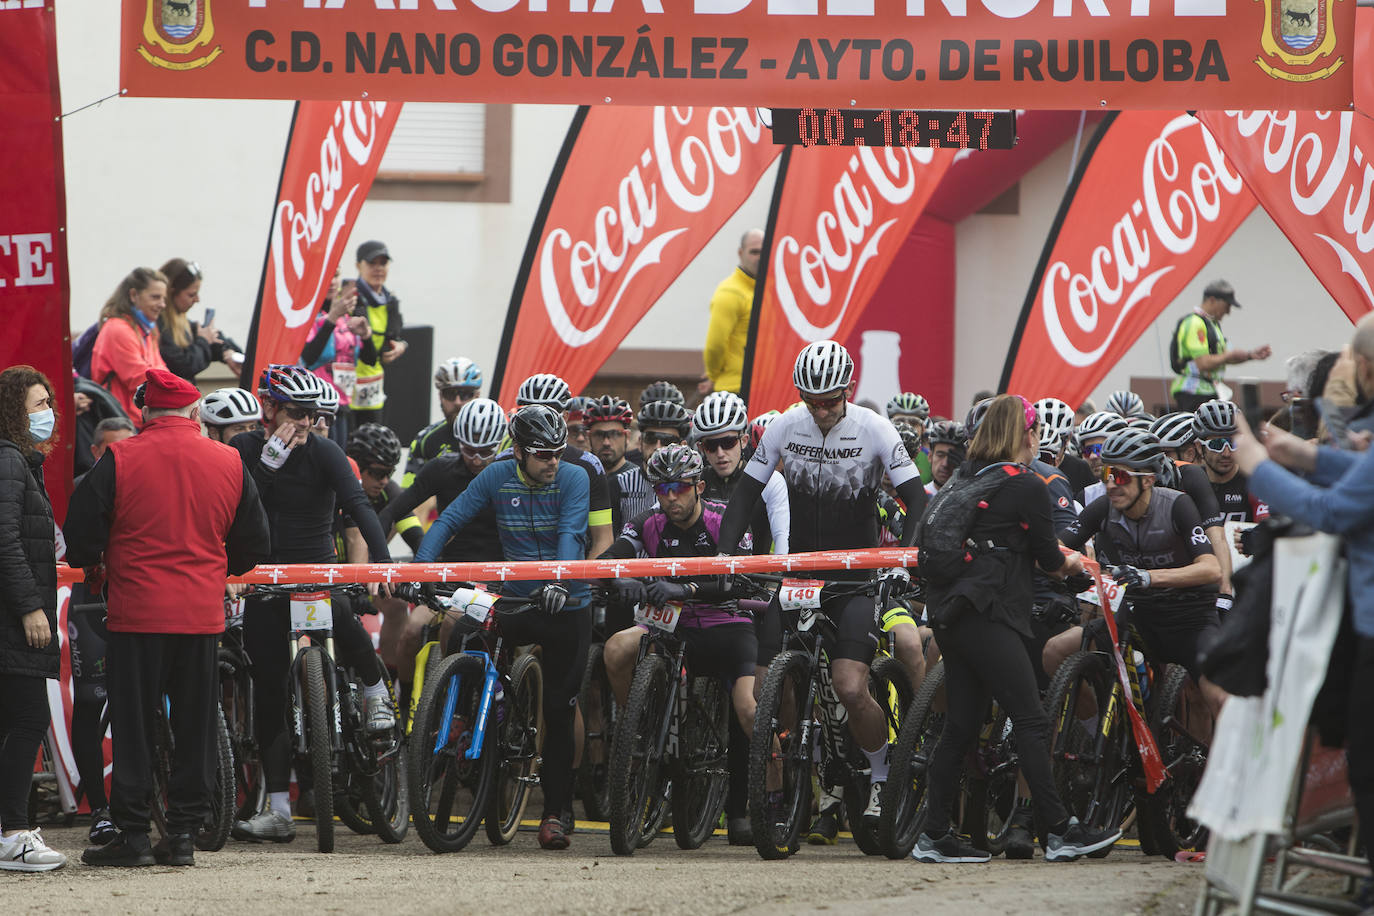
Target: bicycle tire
(890, 687)
(521, 739)
(702, 772)
(597, 702)
(385, 793)
(162, 768)
(440, 823)
(786, 684)
(1093, 790)
(215, 833)
(319, 732)
(903, 800)
(236, 701)
(990, 787)
(1164, 814)
(635, 762)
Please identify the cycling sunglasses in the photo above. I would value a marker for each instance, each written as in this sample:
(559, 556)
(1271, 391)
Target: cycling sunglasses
(379, 472)
(675, 488)
(1120, 476)
(296, 412)
(457, 394)
(1092, 451)
(478, 454)
(613, 433)
(1218, 444)
(822, 403)
(545, 454)
(652, 438)
(719, 444)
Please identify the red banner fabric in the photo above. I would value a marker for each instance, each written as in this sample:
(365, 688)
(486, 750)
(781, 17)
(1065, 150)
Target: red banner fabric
(781, 53)
(635, 195)
(33, 214)
(839, 219)
(902, 342)
(1150, 204)
(1364, 51)
(1311, 173)
(331, 159)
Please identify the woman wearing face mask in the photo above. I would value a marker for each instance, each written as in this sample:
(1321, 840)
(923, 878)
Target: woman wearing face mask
(28, 608)
(129, 344)
(187, 347)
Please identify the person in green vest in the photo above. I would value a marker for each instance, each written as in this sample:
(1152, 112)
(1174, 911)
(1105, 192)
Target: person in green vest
(382, 310)
(1198, 351)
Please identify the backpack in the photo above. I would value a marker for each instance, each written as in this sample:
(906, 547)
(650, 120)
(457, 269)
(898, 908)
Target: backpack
(82, 349)
(942, 534)
(1176, 359)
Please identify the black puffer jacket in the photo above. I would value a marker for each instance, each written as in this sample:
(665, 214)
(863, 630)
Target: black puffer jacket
(28, 562)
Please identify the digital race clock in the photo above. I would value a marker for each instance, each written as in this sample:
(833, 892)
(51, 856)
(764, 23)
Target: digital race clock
(894, 127)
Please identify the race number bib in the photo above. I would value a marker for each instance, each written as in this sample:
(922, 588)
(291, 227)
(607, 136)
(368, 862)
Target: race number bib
(345, 378)
(1115, 593)
(662, 618)
(474, 603)
(796, 594)
(310, 611)
(368, 393)
(233, 612)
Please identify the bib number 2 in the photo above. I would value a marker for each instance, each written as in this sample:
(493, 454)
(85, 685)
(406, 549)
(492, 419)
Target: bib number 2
(311, 611)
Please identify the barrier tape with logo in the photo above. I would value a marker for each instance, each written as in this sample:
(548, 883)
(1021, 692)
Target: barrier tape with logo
(527, 570)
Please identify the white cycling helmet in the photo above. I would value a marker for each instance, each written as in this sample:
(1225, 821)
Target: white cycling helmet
(1126, 404)
(227, 406)
(480, 424)
(1100, 425)
(1055, 414)
(822, 367)
(457, 372)
(721, 412)
(544, 388)
(328, 401)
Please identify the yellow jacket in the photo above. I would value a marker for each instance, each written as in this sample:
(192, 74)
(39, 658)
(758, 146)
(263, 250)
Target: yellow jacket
(728, 331)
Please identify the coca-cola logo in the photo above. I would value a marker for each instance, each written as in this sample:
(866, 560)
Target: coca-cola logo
(319, 207)
(1318, 167)
(686, 155)
(815, 278)
(1084, 304)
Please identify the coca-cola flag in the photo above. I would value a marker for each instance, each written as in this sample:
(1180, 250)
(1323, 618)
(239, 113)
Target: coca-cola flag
(1152, 200)
(1310, 172)
(838, 219)
(634, 196)
(332, 156)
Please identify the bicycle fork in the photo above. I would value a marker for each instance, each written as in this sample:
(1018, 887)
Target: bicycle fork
(491, 680)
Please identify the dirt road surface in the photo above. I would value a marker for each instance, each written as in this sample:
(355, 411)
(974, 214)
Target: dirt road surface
(365, 876)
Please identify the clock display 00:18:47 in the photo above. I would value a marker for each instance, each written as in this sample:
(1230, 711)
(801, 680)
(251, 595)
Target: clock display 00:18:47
(895, 127)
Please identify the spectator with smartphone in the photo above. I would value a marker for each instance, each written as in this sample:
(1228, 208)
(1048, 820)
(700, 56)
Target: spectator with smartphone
(338, 342)
(189, 348)
(382, 310)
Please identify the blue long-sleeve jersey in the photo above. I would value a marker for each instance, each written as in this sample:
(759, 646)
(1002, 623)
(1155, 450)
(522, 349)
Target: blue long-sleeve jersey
(534, 522)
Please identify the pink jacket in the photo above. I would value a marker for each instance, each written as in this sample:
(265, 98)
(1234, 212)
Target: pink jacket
(120, 361)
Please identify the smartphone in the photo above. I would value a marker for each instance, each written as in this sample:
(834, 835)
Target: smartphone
(209, 318)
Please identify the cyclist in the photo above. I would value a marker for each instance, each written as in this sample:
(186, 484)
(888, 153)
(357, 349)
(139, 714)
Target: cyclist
(759, 424)
(301, 478)
(1056, 415)
(912, 411)
(1215, 426)
(608, 422)
(541, 505)
(1178, 441)
(458, 380)
(226, 412)
(1092, 433)
(720, 640)
(1153, 540)
(577, 421)
(661, 391)
(833, 455)
(661, 423)
(1125, 404)
(719, 431)
(948, 444)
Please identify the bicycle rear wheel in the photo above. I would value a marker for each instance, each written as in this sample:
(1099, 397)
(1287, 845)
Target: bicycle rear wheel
(1084, 752)
(384, 782)
(990, 793)
(890, 688)
(598, 706)
(215, 833)
(521, 738)
(636, 759)
(1180, 716)
(319, 733)
(702, 773)
(777, 749)
(449, 790)
(236, 702)
(903, 798)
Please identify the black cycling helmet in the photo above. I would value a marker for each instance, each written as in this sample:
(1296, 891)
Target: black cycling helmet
(1175, 430)
(947, 432)
(661, 391)
(976, 413)
(665, 413)
(1167, 475)
(373, 443)
(577, 408)
(1215, 419)
(673, 463)
(539, 426)
(1136, 449)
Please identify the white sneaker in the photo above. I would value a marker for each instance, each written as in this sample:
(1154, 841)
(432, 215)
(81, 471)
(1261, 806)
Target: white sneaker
(873, 814)
(26, 851)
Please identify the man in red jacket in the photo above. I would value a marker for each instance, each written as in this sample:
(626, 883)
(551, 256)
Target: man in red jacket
(172, 513)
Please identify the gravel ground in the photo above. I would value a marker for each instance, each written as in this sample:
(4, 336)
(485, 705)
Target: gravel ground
(366, 876)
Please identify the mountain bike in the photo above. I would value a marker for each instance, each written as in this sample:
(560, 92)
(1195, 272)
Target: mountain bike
(476, 735)
(236, 702)
(670, 745)
(798, 696)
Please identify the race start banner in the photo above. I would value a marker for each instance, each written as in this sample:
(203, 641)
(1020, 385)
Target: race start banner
(973, 54)
(1310, 173)
(33, 218)
(332, 155)
(838, 219)
(1152, 200)
(635, 195)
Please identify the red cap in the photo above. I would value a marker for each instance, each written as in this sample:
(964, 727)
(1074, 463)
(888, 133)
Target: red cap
(166, 390)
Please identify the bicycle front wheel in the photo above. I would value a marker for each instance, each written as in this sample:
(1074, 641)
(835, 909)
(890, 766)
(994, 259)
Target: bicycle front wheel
(1180, 724)
(703, 772)
(1086, 718)
(449, 789)
(779, 760)
(319, 733)
(904, 795)
(521, 739)
(636, 759)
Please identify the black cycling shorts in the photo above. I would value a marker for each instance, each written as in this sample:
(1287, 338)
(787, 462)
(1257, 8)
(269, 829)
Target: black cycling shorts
(726, 651)
(1165, 639)
(853, 618)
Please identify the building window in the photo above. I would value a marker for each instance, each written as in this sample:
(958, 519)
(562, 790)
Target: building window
(447, 151)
